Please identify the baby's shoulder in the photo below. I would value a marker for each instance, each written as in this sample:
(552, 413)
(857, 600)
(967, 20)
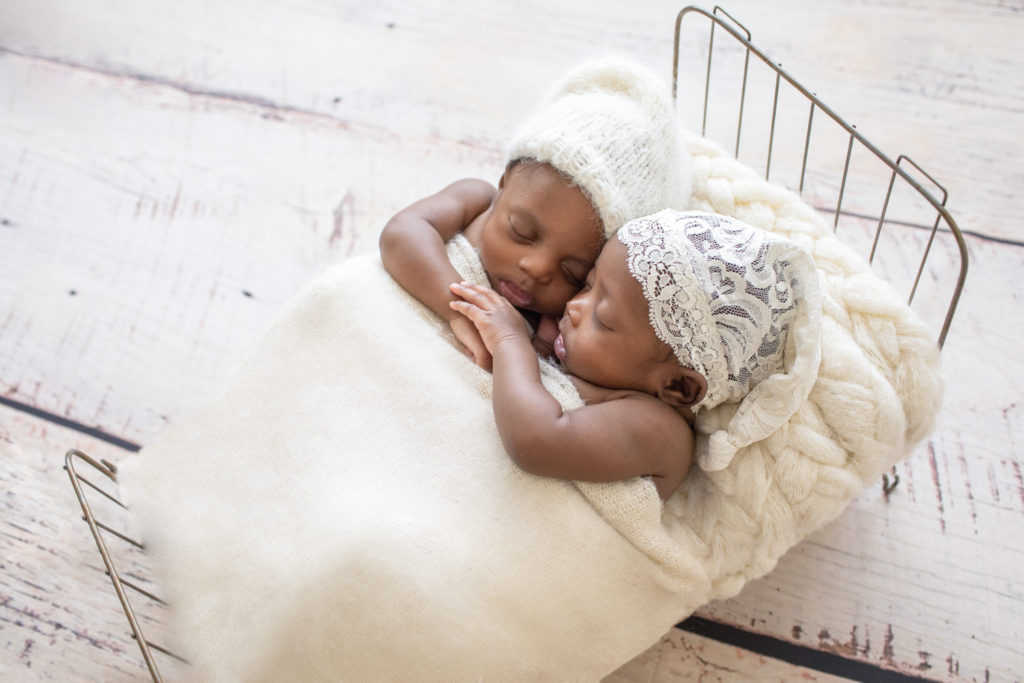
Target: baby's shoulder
(468, 198)
(472, 191)
(646, 409)
(653, 413)
(663, 433)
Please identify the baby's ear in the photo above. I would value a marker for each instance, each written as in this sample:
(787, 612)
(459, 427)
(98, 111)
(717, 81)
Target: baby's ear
(685, 389)
(504, 174)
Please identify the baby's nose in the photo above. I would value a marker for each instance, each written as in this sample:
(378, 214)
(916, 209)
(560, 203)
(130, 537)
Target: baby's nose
(573, 309)
(538, 267)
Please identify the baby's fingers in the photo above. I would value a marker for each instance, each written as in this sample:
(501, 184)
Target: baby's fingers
(475, 294)
(475, 314)
(464, 307)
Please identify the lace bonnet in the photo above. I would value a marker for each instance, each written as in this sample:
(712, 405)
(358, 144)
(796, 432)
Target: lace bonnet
(737, 304)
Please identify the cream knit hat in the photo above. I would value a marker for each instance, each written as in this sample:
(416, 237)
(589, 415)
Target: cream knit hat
(610, 127)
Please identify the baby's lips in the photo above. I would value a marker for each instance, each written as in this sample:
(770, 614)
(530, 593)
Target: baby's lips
(559, 346)
(515, 294)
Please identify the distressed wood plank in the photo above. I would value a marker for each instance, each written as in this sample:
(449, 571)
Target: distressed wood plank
(682, 656)
(930, 79)
(132, 254)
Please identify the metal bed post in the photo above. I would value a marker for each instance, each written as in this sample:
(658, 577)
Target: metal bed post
(121, 585)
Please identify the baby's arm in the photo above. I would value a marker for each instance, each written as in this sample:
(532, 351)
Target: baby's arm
(412, 247)
(636, 435)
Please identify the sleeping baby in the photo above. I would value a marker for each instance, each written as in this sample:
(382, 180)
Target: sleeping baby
(603, 150)
(682, 312)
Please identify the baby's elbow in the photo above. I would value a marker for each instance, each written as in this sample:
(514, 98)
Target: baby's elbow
(389, 237)
(522, 460)
(397, 248)
(528, 453)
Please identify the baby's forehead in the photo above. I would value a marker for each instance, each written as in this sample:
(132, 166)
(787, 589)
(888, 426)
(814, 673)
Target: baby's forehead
(612, 274)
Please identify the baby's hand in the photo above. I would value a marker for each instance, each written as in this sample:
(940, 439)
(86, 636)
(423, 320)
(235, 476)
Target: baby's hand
(467, 335)
(494, 317)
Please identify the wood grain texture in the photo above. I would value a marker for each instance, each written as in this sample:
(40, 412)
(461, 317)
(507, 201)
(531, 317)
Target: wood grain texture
(932, 80)
(128, 252)
(170, 174)
(680, 657)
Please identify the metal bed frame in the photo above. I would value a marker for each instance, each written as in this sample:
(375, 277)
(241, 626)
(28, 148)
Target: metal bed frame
(718, 20)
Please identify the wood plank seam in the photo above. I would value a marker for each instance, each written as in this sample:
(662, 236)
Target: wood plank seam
(825, 661)
(94, 432)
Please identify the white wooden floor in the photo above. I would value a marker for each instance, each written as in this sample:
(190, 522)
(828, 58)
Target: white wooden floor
(170, 173)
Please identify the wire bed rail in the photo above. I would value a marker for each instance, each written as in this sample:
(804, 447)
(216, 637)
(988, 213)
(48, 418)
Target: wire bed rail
(719, 19)
(100, 532)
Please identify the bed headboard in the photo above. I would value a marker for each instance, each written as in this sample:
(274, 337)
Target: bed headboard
(889, 211)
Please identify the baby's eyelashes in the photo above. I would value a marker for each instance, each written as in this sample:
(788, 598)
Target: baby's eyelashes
(520, 235)
(572, 277)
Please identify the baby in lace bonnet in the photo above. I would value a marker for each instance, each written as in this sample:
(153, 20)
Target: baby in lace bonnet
(681, 314)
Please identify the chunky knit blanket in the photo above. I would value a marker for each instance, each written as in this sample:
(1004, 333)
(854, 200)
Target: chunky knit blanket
(345, 511)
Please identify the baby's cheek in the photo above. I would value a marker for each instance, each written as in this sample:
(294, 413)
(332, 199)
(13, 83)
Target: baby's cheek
(557, 297)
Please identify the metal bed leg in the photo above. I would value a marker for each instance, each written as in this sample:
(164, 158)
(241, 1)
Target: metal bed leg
(121, 586)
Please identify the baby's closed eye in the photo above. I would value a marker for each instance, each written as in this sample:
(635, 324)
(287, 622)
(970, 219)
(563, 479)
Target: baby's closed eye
(520, 233)
(574, 275)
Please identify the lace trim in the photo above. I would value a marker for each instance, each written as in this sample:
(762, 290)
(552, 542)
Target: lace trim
(721, 294)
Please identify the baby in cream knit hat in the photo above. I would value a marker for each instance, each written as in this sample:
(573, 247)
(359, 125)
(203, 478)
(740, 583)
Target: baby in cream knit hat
(682, 312)
(603, 149)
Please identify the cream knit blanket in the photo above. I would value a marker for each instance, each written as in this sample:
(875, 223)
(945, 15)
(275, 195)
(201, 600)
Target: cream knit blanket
(345, 511)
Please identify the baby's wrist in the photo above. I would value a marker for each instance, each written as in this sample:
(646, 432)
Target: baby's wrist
(448, 313)
(512, 341)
